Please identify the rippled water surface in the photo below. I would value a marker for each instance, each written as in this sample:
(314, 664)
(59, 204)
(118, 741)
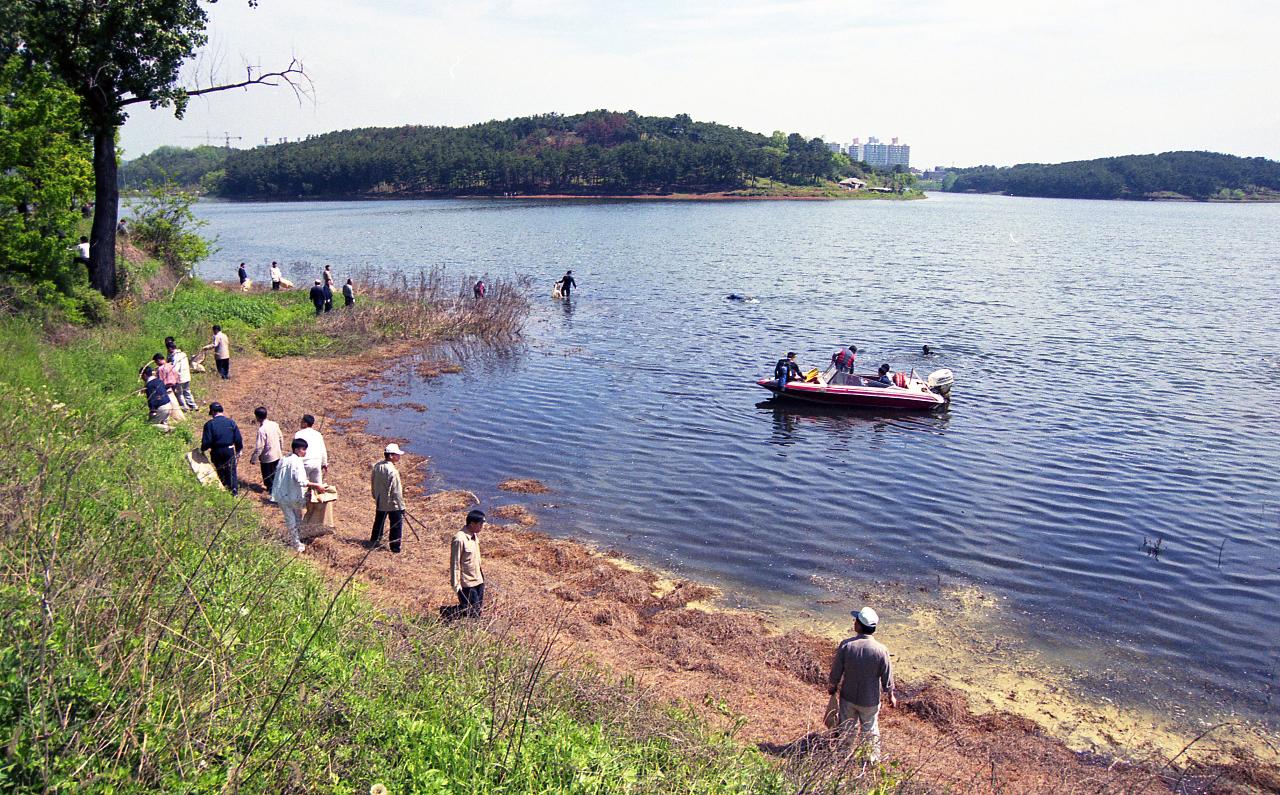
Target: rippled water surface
(1117, 368)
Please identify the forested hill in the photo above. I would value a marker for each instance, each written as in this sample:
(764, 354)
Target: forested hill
(188, 168)
(591, 153)
(1202, 176)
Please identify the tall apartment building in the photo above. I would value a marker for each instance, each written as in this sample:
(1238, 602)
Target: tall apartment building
(875, 153)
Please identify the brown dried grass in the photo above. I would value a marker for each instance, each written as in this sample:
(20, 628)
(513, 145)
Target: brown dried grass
(524, 486)
(516, 513)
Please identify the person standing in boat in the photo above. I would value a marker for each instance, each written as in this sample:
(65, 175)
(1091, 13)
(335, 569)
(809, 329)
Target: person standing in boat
(787, 370)
(843, 360)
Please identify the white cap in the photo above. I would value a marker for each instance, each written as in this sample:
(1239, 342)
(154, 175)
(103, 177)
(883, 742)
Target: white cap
(393, 449)
(866, 617)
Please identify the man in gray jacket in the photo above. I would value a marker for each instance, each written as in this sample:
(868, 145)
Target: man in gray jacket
(860, 671)
(388, 497)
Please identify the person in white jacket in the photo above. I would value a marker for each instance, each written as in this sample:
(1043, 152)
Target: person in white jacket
(289, 491)
(317, 457)
(182, 364)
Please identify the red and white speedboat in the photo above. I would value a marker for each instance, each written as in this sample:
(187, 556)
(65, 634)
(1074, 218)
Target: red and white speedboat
(909, 391)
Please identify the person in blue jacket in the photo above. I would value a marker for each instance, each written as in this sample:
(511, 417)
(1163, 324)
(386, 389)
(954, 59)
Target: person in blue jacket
(222, 441)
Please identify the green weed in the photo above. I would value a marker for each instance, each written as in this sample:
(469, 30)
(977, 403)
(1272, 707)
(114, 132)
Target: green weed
(151, 638)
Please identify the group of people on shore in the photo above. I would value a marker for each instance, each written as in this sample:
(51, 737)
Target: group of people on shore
(290, 477)
(166, 379)
(860, 678)
(321, 293)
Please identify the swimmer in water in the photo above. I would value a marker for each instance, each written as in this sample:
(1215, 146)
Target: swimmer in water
(924, 350)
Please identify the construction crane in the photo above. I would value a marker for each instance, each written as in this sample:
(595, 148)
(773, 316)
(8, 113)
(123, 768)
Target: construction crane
(227, 138)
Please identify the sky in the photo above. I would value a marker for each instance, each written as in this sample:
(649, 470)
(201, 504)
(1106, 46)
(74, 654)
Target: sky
(964, 82)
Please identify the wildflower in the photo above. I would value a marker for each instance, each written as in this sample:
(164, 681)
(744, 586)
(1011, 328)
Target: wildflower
(378, 789)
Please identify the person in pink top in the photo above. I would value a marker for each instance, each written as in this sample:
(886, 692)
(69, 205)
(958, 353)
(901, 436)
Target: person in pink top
(165, 371)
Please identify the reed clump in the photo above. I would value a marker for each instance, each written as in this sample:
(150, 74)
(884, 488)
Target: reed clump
(428, 306)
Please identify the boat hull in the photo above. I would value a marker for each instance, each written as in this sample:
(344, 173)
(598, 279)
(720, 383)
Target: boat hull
(889, 397)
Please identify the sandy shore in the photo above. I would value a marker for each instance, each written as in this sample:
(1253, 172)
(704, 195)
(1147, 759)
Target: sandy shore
(633, 621)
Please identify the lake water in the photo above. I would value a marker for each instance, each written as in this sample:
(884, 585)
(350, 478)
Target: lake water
(1116, 365)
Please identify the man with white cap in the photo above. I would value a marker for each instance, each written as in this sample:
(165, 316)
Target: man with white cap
(860, 671)
(388, 497)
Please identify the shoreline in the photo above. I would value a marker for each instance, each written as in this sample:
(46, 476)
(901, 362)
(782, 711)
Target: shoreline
(717, 196)
(669, 634)
(1133, 199)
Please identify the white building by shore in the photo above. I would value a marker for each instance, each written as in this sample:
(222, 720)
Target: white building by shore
(876, 153)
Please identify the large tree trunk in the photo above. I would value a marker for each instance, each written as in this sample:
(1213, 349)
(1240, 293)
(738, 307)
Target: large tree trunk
(106, 210)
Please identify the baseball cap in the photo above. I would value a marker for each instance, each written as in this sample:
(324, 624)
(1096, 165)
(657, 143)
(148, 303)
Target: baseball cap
(866, 616)
(393, 449)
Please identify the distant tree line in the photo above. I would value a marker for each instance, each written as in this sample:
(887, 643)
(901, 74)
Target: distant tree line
(1195, 175)
(600, 152)
(196, 168)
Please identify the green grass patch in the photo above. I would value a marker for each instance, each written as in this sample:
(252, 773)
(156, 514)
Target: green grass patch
(152, 639)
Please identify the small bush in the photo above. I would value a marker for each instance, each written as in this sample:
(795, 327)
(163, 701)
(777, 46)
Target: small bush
(164, 225)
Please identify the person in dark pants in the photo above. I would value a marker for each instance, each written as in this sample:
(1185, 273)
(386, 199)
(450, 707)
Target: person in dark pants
(317, 297)
(388, 497)
(222, 441)
(268, 447)
(243, 274)
(787, 370)
(567, 283)
(221, 352)
(349, 294)
(328, 295)
(465, 573)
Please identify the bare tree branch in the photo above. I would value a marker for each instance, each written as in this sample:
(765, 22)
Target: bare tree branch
(293, 76)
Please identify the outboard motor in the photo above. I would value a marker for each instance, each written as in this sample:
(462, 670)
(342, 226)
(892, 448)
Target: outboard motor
(940, 381)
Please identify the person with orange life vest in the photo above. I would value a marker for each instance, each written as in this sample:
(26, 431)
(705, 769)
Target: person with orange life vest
(843, 361)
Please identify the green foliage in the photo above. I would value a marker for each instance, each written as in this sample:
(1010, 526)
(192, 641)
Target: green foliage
(116, 51)
(164, 225)
(287, 340)
(45, 171)
(1196, 175)
(186, 168)
(600, 152)
(152, 640)
(197, 305)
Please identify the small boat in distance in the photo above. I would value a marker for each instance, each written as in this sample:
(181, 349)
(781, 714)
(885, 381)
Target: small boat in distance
(908, 392)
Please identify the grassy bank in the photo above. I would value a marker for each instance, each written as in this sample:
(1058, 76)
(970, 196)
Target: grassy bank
(151, 641)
